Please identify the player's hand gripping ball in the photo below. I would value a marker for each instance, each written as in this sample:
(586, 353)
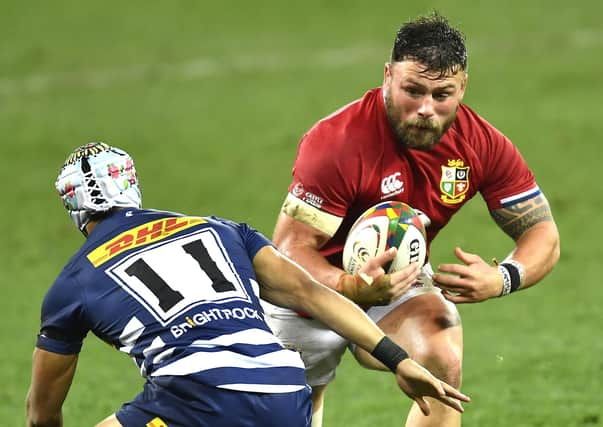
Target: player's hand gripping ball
(381, 227)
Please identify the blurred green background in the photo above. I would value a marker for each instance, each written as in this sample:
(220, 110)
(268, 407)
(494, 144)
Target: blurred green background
(211, 99)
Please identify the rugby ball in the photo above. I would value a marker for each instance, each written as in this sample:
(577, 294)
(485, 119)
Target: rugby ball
(381, 227)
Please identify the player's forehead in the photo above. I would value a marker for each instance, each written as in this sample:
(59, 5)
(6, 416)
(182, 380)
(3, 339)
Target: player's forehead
(409, 71)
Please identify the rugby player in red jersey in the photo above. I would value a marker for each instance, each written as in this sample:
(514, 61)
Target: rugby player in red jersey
(411, 140)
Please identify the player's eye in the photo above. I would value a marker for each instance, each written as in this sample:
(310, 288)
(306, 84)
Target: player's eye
(414, 92)
(441, 96)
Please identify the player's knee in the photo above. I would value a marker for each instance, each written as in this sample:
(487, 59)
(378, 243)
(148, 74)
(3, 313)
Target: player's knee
(445, 362)
(441, 349)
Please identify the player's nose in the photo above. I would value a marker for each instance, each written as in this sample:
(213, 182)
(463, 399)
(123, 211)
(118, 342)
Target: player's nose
(426, 107)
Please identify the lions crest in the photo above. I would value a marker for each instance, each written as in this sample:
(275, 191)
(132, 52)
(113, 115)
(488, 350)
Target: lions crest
(454, 182)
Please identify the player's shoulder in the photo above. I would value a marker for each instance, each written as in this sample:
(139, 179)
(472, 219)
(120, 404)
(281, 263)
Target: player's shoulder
(472, 127)
(352, 109)
(238, 233)
(67, 286)
(352, 132)
(229, 226)
(349, 122)
(222, 223)
(469, 120)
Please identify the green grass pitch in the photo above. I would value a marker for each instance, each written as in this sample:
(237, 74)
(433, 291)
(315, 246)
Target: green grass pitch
(211, 98)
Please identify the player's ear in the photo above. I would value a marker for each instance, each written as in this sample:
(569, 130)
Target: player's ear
(387, 73)
(464, 84)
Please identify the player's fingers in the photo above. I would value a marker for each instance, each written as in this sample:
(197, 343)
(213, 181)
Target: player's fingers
(455, 289)
(423, 405)
(401, 287)
(398, 291)
(450, 396)
(449, 282)
(385, 257)
(458, 299)
(382, 281)
(466, 257)
(453, 392)
(454, 269)
(408, 273)
(453, 403)
(437, 385)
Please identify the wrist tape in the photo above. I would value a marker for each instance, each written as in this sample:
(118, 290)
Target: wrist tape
(513, 274)
(347, 285)
(389, 353)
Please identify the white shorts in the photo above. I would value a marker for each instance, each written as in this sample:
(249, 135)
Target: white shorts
(321, 349)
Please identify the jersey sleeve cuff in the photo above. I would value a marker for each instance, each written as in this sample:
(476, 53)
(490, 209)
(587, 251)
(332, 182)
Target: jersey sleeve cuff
(60, 347)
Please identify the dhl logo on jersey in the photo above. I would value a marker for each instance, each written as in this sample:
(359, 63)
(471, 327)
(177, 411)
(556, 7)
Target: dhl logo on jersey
(142, 235)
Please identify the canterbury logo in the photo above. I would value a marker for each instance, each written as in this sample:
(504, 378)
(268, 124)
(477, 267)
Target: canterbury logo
(391, 184)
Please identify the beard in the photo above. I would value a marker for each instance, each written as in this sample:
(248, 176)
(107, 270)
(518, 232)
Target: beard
(417, 133)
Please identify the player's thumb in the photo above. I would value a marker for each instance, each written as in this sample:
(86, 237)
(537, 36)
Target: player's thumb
(439, 388)
(386, 256)
(466, 257)
(374, 265)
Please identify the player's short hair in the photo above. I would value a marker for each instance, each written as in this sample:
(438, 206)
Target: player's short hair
(431, 41)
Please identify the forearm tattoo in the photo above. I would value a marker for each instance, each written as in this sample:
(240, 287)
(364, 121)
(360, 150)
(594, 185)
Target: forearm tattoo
(515, 220)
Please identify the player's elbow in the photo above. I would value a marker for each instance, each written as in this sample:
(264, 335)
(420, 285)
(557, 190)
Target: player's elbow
(556, 253)
(555, 246)
(546, 236)
(553, 255)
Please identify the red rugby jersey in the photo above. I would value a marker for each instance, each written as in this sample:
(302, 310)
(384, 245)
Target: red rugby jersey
(350, 161)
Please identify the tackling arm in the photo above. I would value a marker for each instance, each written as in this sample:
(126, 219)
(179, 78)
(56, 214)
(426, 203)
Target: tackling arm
(52, 374)
(284, 283)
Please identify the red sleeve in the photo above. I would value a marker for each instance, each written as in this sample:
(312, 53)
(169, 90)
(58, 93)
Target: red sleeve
(325, 175)
(506, 175)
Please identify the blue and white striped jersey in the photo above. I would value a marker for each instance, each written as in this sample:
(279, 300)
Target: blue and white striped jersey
(176, 293)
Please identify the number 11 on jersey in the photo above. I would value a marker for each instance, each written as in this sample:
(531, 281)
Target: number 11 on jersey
(171, 277)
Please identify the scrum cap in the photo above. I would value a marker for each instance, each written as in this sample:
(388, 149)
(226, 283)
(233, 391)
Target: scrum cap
(96, 178)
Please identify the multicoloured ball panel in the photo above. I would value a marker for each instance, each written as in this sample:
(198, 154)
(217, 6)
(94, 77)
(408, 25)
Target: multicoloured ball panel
(383, 226)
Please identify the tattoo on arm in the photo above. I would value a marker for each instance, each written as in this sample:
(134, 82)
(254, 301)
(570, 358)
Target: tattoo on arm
(516, 219)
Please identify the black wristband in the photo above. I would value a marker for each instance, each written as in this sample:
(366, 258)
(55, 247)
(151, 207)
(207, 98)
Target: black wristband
(513, 274)
(389, 353)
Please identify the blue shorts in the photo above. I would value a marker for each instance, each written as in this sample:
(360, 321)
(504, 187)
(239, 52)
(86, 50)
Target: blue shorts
(180, 402)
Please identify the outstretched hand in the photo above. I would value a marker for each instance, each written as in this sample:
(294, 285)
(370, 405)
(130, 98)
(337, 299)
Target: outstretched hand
(473, 281)
(375, 287)
(418, 383)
